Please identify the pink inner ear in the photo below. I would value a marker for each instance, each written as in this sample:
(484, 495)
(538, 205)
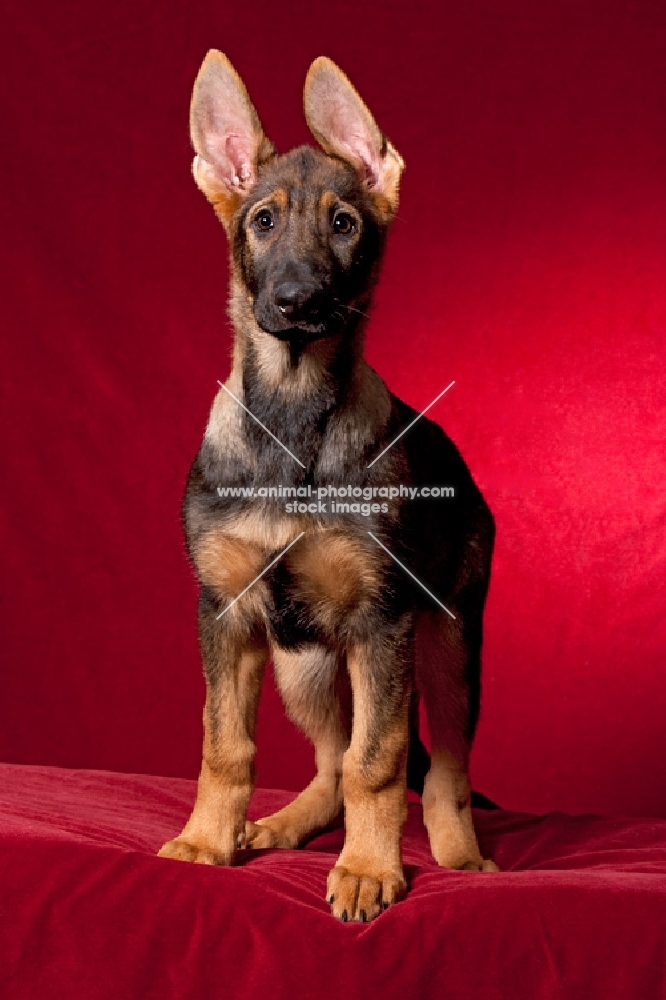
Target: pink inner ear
(239, 152)
(345, 131)
(230, 154)
(225, 131)
(368, 161)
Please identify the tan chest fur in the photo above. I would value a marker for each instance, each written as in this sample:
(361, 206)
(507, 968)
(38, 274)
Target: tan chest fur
(331, 571)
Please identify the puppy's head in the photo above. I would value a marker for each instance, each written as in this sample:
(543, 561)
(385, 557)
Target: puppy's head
(306, 228)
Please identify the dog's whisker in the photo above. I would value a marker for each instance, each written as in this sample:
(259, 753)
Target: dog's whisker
(353, 309)
(359, 311)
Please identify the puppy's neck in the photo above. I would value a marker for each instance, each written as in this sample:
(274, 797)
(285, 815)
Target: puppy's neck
(309, 377)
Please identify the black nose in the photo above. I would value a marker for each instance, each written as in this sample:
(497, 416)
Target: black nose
(296, 300)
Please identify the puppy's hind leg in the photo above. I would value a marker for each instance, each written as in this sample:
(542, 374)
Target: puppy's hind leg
(306, 680)
(447, 675)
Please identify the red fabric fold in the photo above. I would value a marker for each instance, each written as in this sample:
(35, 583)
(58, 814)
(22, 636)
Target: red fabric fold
(89, 911)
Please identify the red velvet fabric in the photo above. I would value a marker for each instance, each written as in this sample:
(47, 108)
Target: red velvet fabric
(89, 911)
(527, 263)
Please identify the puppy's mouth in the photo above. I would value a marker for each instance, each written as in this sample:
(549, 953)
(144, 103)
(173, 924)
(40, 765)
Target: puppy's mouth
(286, 328)
(303, 332)
(329, 317)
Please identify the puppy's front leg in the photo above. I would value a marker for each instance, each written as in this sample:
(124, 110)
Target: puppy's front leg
(234, 667)
(368, 875)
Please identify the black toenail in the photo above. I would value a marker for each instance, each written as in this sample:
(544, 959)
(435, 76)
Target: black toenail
(344, 917)
(364, 916)
(331, 900)
(385, 906)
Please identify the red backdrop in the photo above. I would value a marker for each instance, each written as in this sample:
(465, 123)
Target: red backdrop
(528, 264)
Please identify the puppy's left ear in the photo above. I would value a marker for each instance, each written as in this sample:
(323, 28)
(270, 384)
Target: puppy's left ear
(342, 125)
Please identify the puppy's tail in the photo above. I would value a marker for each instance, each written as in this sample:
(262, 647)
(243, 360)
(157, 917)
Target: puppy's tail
(418, 762)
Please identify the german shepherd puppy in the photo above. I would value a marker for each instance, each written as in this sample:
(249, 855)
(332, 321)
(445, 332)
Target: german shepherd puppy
(360, 605)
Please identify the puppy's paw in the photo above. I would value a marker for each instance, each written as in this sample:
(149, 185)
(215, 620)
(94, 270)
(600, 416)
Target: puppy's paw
(484, 865)
(260, 835)
(461, 859)
(355, 896)
(454, 845)
(185, 850)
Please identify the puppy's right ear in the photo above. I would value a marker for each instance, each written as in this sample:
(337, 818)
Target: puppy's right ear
(226, 134)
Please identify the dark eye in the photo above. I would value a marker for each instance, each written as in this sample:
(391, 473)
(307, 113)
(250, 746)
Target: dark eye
(263, 220)
(343, 224)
